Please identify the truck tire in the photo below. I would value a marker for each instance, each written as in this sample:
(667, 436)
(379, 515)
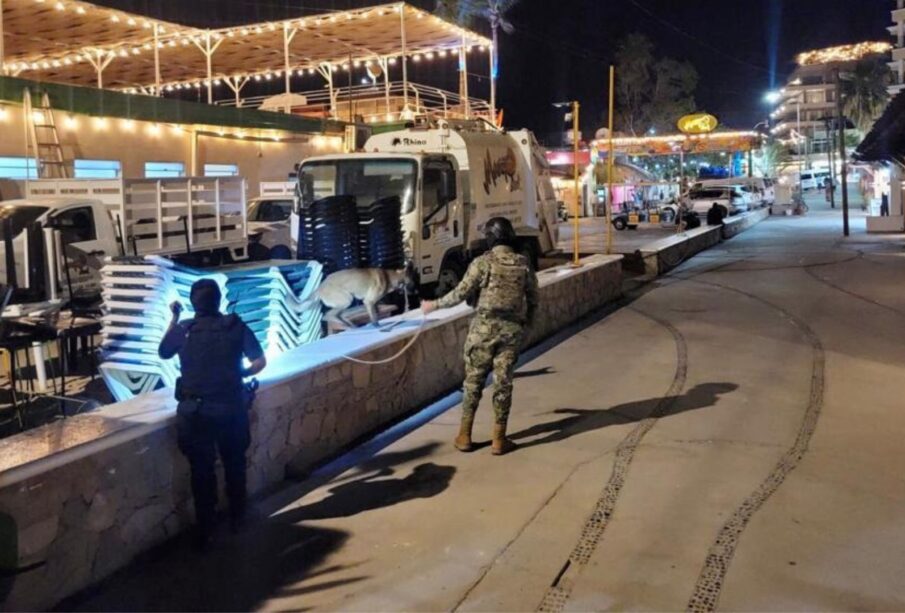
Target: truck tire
(451, 273)
(620, 223)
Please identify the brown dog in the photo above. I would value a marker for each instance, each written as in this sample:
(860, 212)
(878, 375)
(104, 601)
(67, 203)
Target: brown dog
(341, 289)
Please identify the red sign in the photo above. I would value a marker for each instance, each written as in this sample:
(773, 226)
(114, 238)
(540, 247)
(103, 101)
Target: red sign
(567, 158)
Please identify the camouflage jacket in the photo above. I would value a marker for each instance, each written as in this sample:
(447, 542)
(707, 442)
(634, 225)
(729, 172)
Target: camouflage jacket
(501, 283)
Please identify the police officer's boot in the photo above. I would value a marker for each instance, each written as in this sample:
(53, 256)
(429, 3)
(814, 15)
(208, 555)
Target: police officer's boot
(463, 441)
(501, 445)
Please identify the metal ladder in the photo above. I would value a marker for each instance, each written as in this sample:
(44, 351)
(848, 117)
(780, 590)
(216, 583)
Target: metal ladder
(43, 138)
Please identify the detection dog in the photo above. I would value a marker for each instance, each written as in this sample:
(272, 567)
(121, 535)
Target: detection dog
(369, 285)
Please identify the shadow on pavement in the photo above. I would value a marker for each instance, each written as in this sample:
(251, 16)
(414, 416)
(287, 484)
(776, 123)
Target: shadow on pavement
(540, 372)
(372, 492)
(270, 556)
(580, 421)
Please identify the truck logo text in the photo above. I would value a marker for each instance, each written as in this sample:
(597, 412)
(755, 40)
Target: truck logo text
(408, 142)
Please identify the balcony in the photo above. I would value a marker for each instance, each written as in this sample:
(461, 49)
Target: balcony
(378, 103)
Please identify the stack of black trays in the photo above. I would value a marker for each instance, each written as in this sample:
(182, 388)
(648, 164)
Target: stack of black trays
(328, 232)
(382, 244)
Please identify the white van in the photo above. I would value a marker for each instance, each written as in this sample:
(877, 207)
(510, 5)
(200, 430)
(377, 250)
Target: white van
(759, 191)
(814, 179)
(729, 197)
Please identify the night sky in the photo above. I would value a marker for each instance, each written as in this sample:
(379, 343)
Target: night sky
(561, 49)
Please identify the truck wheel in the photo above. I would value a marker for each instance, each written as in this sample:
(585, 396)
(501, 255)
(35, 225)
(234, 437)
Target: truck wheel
(451, 273)
(620, 224)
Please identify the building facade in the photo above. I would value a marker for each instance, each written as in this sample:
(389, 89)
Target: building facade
(808, 102)
(897, 29)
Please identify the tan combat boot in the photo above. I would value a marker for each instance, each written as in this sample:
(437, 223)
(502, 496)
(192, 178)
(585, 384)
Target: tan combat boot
(463, 441)
(501, 445)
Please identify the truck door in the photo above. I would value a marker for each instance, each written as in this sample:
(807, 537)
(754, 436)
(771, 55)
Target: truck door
(82, 250)
(442, 234)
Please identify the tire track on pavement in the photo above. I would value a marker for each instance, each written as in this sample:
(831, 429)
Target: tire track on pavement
(560, 590)
(709, 586)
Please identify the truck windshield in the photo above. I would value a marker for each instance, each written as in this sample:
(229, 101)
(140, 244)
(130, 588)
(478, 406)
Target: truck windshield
(19, 216)
(368, 180)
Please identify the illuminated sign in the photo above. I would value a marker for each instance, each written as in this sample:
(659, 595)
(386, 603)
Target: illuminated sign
(698, 123)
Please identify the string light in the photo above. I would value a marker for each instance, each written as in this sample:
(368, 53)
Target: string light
(843, 53)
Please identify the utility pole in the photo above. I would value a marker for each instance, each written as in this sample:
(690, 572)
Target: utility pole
(576, 137)
(610, 161)
(840, 125)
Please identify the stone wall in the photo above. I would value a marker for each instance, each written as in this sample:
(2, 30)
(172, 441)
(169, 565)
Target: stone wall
(739, 224)
(662, 256)
(86, 508)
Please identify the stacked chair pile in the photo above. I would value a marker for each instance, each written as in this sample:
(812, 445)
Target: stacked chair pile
(268, 296)
(341, 235)
(328, 232)
(381, 235)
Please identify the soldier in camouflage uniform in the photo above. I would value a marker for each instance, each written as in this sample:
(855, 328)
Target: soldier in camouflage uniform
(505, 289)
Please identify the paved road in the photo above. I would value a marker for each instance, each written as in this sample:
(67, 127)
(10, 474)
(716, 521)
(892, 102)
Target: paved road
(731, 439)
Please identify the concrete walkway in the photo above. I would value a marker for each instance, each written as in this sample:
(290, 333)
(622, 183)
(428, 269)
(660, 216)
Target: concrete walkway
(731, 439)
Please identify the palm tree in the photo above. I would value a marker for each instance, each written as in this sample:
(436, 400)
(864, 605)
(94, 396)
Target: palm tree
(865, 94)
(494, 11)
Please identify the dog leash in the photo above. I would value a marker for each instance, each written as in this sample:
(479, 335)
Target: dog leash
(390, 328)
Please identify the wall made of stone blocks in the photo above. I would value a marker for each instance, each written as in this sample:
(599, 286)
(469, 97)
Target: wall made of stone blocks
(86, 515)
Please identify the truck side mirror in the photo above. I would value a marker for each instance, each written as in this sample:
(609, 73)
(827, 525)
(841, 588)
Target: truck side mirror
(448, 187)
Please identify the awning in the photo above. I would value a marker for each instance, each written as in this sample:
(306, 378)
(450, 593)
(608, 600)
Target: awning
(886, 140)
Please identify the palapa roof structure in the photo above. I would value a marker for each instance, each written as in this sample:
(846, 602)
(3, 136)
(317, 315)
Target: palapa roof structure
(78, 43)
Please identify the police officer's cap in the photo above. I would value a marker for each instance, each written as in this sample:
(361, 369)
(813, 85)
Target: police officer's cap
(499, 231)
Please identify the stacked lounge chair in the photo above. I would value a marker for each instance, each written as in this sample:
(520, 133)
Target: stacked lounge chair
(268, 296)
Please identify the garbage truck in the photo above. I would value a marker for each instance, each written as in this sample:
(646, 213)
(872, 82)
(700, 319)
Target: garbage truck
(53, 242)
(451, 178)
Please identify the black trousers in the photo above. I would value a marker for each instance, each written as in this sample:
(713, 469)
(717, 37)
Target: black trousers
(201, 438)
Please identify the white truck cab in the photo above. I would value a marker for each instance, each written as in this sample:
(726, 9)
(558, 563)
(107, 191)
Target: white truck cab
(451, 179)
(54, 241)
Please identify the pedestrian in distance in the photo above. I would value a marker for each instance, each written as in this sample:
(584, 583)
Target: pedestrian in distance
(715, 215)
(884, 205)
(503, 286)
(213, 401)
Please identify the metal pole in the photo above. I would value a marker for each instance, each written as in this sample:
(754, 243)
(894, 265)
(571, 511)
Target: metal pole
(210, 69)
(2, 48)
(404, 58)
(800, 136)
(610, 162)
(840, 120)
(494, 71)
(385, 65)
(157, 60)
(464, 68)
(576, 239)
(288, 35)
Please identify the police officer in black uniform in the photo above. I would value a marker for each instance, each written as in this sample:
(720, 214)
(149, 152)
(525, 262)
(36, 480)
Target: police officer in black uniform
(212, 410)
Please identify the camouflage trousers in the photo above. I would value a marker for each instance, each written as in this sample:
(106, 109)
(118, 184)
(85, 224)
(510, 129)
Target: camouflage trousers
(492, 344)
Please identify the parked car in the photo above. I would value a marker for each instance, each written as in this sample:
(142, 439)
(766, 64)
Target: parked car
(730, 197)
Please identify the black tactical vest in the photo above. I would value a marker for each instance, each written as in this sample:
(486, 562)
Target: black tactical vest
(211, 359)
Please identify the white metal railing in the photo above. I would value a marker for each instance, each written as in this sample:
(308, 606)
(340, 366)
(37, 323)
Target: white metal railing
(379, 102)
